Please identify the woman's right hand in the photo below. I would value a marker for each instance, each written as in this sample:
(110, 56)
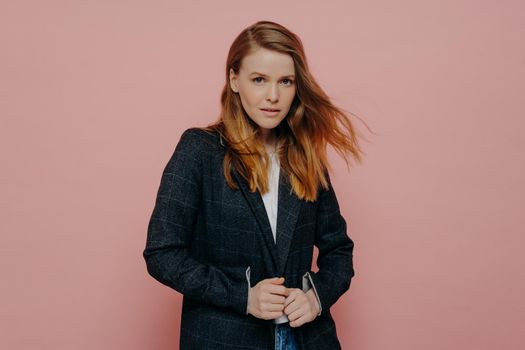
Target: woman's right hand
(266, 298)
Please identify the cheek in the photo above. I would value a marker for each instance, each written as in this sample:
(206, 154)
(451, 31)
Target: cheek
(289, 96)
(251, 95)
(249, 103)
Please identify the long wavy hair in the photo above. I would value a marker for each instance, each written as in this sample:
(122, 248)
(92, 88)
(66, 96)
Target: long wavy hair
(302, 137)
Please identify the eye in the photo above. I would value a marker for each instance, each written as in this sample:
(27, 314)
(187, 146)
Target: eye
(255, 79)
(291, 81)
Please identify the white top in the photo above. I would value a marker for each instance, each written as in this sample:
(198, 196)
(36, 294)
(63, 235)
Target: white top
(270, 198)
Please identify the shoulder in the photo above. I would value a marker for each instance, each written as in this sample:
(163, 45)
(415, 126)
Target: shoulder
(197, 143)
(197, 140)
(200, 137)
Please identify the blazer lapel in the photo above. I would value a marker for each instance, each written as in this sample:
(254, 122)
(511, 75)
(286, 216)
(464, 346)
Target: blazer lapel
(287, 213)
(256, 204)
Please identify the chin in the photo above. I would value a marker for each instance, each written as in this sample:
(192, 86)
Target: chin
(268, 125)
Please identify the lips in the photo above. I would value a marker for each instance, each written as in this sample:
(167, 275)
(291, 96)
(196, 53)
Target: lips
(271, 112)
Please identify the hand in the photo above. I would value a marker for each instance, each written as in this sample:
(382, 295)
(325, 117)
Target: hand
(300, 307)
(266, 298)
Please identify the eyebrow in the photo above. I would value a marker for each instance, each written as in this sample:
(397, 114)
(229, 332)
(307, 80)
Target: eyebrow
(264, 75)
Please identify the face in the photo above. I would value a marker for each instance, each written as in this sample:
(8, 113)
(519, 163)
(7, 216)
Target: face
(266, 80)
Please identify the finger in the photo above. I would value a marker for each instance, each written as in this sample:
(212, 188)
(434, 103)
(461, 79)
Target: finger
(299, 321)
(293, 294)
(276, 280)
(273, 307)
(273, 315)
(297, 312)
(270, 315)
(300, 301)
(289, 299)
(275, 299)
(292, 307)
(276, 289)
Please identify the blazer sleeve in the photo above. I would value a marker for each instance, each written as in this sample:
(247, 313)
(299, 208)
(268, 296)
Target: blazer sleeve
(171, 228)
(335, 252)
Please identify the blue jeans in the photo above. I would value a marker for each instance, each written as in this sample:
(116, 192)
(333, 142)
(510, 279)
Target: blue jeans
(284, 337)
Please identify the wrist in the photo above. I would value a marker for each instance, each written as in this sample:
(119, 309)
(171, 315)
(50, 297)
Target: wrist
(313, 299)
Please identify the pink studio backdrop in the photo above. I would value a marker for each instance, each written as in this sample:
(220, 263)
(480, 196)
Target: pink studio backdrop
(95, 94)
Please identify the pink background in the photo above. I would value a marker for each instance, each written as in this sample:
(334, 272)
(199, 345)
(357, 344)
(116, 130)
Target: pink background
(95, 94)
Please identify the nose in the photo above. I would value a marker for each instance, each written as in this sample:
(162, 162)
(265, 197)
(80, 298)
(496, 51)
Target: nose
(273, 93)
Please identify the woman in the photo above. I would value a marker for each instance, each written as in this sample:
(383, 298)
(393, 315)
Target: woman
(242, 202)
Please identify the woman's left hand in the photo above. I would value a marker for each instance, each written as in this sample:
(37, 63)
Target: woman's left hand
(300, 307)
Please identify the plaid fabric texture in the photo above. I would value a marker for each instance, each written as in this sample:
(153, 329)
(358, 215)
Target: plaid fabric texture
(211, 243)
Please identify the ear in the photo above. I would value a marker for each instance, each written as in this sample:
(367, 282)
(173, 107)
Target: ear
(233, 81)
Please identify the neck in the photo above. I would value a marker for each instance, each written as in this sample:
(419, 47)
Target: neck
(269, 140)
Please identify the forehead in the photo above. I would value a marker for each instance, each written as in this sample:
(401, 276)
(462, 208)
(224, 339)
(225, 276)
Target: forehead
(268, 62)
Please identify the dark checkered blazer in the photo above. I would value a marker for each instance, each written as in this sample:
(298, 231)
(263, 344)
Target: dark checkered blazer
(211, 243)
